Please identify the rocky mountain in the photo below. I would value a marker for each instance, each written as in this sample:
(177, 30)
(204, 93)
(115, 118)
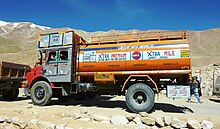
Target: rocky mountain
(18, 42)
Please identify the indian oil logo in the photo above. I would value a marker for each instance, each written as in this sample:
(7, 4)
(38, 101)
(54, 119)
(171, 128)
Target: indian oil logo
(136, 55)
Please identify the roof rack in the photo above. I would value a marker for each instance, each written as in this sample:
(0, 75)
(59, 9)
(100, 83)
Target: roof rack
(139, 37)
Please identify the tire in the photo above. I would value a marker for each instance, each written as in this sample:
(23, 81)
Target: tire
(139, 98)
(64, 99)
(41, 93)
(79, 96)
(10, 95)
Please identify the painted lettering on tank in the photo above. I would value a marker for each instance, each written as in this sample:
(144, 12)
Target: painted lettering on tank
(152, 53)
(169, 53)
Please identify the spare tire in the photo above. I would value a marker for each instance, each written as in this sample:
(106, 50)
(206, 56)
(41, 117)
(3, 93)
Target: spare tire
(139, 98)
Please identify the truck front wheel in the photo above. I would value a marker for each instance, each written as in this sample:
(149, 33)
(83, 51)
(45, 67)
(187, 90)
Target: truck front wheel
(10, 95)
(41, 93)
(139, 98)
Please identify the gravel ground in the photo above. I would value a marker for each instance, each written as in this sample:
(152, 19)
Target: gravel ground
(109, 106)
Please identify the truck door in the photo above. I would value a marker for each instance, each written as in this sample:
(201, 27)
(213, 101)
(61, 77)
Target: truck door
(64, 65)
(58, 65)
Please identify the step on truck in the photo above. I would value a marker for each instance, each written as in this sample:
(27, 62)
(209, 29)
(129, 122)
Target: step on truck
(11, 76)
(136, 65)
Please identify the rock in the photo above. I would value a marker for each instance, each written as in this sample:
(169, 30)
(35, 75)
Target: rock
(9, 126)
(7, 119)
(143, 114)
(207, 124)
(119, 119)
(176, 123)
(19, 121)
(100, 118)
(154, 127)
(167, 120)
(159, 122)
(137, 120)
(2, 119)
(148, 120)
(193, 124)
(47, 125)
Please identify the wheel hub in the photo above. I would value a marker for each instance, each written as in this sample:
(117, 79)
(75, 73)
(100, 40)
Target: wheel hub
(140, 97)
(39, 93)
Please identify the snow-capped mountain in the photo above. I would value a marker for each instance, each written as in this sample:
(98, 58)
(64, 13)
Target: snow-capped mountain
(20, 29)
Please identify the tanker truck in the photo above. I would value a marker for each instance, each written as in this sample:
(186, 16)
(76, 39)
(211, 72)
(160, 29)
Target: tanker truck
(135, 65)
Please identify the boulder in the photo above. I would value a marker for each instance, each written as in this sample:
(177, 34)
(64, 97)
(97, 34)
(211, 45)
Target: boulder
(148, 120)
(159, 122)
(9, 126)
(100, 118)
(176, 123)
(154, 127)
(167, 120)
(137, 120)
(193, 124)
(119, 119)
(207, 124)
(2, 119)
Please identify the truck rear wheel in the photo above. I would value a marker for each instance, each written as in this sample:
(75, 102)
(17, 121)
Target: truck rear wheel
(139, 98)
(41, 93)
(10, 95)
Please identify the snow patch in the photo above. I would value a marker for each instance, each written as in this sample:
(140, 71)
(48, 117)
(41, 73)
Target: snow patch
(3, 23)
(38, 26)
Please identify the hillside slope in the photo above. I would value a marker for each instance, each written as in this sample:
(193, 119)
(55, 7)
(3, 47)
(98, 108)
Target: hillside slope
(18, 42)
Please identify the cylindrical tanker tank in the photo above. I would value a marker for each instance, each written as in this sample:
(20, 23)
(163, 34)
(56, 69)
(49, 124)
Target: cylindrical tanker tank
(135, 56)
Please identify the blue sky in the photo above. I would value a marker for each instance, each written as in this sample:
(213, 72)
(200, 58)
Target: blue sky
(103, 15)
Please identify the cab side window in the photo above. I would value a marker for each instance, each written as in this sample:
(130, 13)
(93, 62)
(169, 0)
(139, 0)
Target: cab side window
(52, 57)
(63, 56)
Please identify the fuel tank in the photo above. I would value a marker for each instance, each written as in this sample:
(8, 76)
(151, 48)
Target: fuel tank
(135, 56)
